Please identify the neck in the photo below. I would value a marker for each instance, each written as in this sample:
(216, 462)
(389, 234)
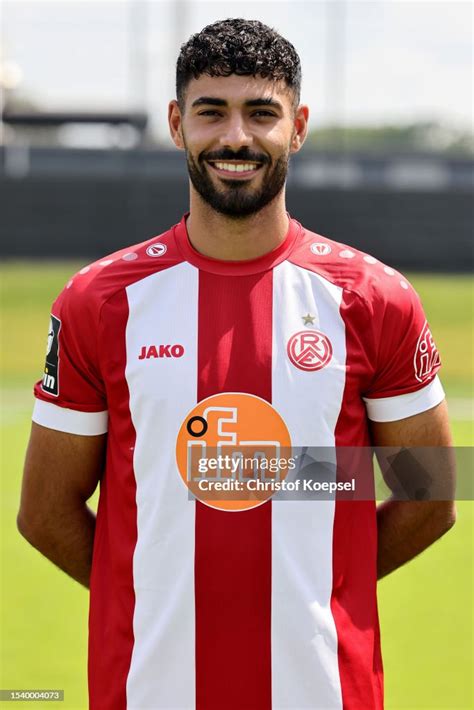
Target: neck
(221, 237)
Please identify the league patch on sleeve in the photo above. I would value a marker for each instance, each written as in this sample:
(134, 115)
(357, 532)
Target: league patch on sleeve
(426, 359)
(50, 383)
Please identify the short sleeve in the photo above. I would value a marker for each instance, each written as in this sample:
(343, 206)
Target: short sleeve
(405, 380)
(70, 397)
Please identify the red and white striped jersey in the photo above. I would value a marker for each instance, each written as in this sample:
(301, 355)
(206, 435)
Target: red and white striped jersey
(272, 607)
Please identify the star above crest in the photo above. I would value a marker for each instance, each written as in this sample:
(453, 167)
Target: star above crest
(308, 319)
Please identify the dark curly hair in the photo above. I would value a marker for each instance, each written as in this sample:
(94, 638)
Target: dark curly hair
(237, 46)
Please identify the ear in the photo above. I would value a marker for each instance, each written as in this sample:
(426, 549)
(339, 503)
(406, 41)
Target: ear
(300, 128)
(175, 124)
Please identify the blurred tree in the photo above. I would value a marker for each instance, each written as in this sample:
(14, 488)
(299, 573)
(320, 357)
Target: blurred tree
(419, 137)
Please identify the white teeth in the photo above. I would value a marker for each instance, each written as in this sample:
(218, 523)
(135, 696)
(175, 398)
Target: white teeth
(233, 168)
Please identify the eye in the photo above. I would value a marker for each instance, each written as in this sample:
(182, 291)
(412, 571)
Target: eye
(209, 112)
(263, 113)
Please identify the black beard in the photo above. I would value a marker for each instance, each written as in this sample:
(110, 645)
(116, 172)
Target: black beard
(237, 199)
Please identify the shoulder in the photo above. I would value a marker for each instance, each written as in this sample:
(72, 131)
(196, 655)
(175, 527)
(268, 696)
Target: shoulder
(99, 281)
(370, 281)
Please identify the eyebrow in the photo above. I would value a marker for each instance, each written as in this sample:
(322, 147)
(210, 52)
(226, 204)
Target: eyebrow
(212, 101)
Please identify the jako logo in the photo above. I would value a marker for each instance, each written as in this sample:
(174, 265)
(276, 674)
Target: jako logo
(157, 249)
(320, 249)
(153, 351)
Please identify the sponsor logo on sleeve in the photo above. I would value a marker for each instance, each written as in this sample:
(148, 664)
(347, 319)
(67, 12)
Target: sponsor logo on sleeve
(426, 355)
(50, 382)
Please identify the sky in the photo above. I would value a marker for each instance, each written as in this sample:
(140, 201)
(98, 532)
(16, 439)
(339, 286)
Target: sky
(376, 61)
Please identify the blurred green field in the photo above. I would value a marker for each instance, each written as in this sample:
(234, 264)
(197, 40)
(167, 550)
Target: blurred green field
(426, 608)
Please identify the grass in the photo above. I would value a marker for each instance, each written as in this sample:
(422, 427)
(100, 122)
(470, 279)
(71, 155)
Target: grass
(425, 608)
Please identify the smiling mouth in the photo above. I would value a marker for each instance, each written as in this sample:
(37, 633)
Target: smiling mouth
(234, 169)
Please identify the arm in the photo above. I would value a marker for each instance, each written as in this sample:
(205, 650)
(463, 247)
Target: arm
(61, 473)
(406, 528)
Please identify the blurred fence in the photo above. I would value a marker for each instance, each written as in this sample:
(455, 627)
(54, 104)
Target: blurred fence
(412, 211)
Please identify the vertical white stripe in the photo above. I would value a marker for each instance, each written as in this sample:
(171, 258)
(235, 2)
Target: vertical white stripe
(163, 311)
(305, 672)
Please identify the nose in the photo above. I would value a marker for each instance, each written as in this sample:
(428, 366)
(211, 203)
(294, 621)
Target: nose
(235, 134)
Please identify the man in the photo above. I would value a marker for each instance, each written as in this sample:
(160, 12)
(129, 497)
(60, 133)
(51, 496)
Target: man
(237, 326)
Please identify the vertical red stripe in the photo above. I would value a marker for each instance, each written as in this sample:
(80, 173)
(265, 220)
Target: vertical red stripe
(112, 593)
(233, 549)
(354, 596)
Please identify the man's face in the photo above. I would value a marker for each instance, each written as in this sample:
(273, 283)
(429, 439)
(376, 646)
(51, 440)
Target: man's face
(238, 133)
